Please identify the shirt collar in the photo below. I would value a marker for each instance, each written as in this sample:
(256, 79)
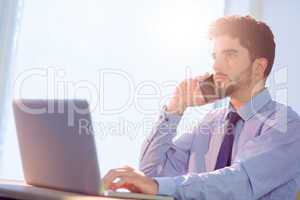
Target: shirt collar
(250, 108)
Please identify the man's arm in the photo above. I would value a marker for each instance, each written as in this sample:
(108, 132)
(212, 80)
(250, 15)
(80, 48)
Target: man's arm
(157, 145)
(160, 156)
(267, 162)
(164, 155)
(226, 183)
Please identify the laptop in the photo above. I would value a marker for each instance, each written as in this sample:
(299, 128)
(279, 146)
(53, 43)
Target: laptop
(57, 147)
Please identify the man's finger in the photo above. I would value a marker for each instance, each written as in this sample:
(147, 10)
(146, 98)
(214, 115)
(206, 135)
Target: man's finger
(113, 174)
(128, 182)
(128, 167)
(203, 77)
(117, 185)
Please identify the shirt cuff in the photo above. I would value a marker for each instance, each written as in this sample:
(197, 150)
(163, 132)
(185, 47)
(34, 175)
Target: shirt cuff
(166, 185)
(171, 118)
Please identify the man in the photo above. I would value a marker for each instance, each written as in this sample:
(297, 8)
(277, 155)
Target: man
(248, 150)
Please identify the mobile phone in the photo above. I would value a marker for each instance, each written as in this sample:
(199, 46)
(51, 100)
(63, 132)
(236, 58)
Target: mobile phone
(209, 90)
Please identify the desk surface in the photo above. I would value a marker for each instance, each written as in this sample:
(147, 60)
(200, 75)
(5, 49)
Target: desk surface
(20, 190)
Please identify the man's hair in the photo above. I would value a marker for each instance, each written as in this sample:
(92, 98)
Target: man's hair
(253, 35)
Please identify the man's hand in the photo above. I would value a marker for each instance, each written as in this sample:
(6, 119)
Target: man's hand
(187, 93)
(131, 179)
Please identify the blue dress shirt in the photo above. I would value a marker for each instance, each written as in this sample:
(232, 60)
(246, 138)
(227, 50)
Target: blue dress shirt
(265, 156)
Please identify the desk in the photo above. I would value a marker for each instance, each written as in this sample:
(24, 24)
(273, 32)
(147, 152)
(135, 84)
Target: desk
(20, 190)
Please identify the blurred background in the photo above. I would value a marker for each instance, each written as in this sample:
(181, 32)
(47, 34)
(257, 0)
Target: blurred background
(125, 57)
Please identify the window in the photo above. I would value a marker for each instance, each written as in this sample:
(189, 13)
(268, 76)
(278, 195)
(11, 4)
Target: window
(125, 57)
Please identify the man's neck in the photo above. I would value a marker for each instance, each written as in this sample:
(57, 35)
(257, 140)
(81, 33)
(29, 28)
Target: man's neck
(242, 96)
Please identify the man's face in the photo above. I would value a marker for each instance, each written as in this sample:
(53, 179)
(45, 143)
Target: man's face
(232, 65)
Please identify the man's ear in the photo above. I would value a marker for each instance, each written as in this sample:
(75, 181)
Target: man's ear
(260, 66)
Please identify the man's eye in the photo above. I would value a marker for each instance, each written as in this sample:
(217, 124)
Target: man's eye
(230, 54)
(213, 57)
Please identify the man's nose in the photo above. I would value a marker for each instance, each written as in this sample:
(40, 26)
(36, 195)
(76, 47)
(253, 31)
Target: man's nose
(218, 65)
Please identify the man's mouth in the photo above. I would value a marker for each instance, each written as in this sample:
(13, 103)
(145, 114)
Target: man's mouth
(224, 84)
(220, 77)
